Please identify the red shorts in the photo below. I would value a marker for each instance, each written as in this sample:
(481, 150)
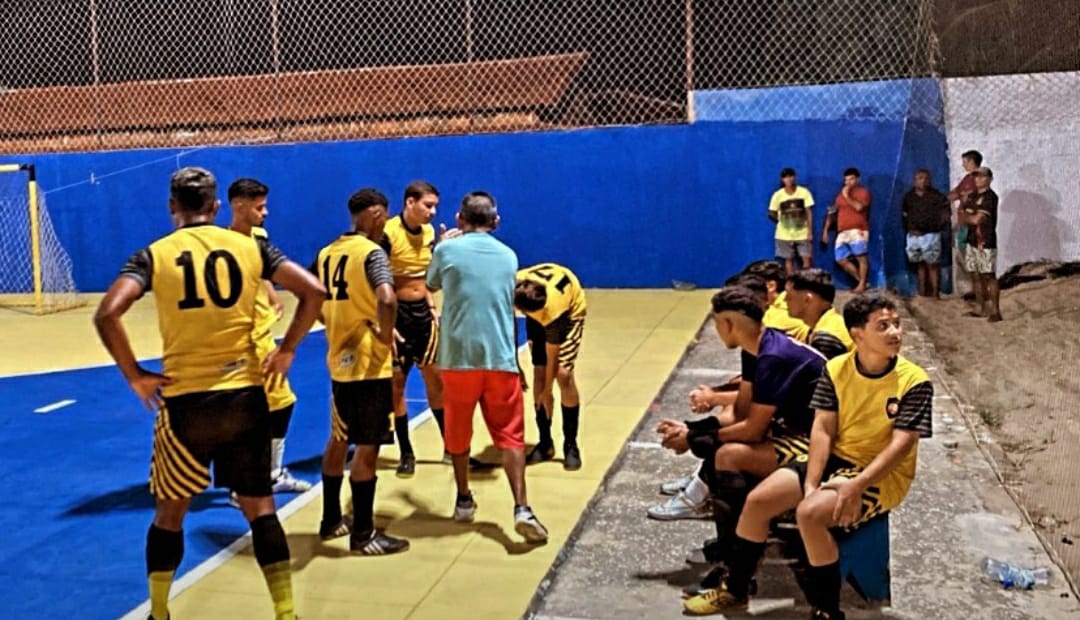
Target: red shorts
(499, 395)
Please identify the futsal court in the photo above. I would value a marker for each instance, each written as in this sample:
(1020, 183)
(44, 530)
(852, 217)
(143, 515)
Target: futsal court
(75, 449)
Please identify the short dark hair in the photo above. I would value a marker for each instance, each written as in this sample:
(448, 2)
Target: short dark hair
(418, 189)
(925, 171)
(751, 281)
(365, 199)
(530, 296)
(974, 156)
(247, 188)
(817, 281)
(787, 172)
(193, 188)
(479, 209)
(770, 270)
(852, 172)
(857, 311)
(738, 299)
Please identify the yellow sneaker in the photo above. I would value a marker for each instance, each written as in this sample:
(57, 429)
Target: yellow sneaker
(714, 601)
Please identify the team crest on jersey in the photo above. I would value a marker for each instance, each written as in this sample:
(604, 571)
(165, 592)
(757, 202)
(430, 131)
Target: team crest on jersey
(346, 360)
(892, 407)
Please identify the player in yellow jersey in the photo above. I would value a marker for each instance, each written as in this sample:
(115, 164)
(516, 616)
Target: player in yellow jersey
(212, 409)
(872, 408)
(359, 315)
(810, 297)
(247, 200)
(553, 302)
(409, 239)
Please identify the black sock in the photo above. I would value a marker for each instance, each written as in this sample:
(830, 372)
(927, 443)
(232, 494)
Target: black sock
(543, 424)
(331, 503)
(440, 419)
(401, 429)
(823, 585)
(742, 564)
(363, 505)
(279, 421)
(164, 550)
(269, 541)
(570, 420)
(729, 491)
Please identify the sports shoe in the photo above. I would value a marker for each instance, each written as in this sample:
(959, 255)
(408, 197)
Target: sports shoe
(406, 468)
(571, 458)
(714, 601)
(818, 614)
(377, 543)
(447, 459)
(526, 524)
(680, 507)
(674, 487)
(287, 483)
(539, 454)
(330, 531)
(465, 511)
(697, 558)
(234, 499)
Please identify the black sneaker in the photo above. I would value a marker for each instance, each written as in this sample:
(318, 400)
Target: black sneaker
(539, 454)
(330, 531)
(377, 543)
(571, 458)
(406, 468)
(818, 614)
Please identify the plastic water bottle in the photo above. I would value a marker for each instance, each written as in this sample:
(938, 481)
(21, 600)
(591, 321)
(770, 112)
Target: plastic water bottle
(1012, 576)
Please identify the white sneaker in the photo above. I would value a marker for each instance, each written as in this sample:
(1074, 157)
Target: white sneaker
(674, 487)
(680, 507)
(526, 524)
(286, 483)
(465, 512)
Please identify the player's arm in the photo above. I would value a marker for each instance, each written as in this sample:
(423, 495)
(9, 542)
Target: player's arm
(823, 432)
(310, 295)
(274, 299)
(772, 381)
(750, 429)
(858, 205)
(377, 268)
(134, 280)
(774, 209)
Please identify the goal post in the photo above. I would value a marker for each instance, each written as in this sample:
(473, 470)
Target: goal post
(35, 270)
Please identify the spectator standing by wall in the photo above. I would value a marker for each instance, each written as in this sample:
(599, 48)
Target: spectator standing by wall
(980, 213)
(790, 209)
(926, 215)
(852, 228)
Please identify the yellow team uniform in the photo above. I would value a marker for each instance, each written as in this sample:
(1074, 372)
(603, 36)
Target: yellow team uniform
(777, 317)
(281, 396)
(830, 335)
(358, 362)
(409, 251)
(562, 317)
(205, 280)
(868, 409)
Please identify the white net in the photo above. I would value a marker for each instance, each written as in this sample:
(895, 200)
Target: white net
(33, 279)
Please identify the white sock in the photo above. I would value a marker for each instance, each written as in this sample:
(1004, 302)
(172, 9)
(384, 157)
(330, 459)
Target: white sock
(697, 491)
(277, 457)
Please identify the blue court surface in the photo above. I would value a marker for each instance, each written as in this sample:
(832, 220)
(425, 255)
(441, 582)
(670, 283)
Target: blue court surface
(77, 507)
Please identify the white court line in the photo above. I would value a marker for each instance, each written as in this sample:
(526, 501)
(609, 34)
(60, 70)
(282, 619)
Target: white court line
(215, 561)
(60, 404)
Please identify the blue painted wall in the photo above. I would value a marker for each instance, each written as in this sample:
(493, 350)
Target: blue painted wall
(624, 207)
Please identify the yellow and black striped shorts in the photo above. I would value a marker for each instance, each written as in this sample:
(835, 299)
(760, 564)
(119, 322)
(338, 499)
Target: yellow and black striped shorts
(417, 326)
(836, 467)
(568, 348)
(228, 430)
(789, 448)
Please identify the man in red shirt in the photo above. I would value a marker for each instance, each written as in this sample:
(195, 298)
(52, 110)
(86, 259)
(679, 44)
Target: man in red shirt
(971, 161)
(852, 214)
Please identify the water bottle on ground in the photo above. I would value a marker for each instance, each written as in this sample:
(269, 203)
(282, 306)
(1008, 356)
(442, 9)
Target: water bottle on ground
(1012, 576)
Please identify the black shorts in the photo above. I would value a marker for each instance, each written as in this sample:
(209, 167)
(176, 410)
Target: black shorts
(361, 412)
(837, 467)
(568, 348)
(417, 326)
(789, 448)
(226, 429)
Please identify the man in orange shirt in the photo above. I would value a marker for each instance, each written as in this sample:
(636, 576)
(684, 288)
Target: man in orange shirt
(852, 214)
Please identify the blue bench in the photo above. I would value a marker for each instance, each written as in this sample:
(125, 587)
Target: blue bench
(864, 558)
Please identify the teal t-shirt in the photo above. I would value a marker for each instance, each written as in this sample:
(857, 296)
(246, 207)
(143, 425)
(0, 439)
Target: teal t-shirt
(476, 273)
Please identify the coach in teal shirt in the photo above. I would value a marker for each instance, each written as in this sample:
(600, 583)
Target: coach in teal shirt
(476, 273)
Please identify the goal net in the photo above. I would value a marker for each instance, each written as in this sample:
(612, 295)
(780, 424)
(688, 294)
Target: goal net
(35, 270)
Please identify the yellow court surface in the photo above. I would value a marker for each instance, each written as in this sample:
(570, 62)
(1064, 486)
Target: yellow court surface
(483, 570)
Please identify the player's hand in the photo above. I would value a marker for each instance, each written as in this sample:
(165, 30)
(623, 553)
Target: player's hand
(276, 367)
(545, 394)
(147, 386)
(434, 316)
(279, 310)
(452, 233)
(524, 380)
(666, 425)
(848, 501)
(808, 489)
(700, 399)
(676, 440)
(394, 343)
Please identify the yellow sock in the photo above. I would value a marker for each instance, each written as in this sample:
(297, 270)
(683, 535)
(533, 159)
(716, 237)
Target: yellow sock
(279, 580)
(160, 583)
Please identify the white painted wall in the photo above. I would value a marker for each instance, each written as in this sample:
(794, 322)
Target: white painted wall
(1028, 129)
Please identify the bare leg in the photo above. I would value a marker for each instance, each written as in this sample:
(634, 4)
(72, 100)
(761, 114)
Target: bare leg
(513, 461)
(864, 268)
(789, 265)
(920, 275)
(934, 273)
(849, 267)
(993, 289)
(432, 385)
